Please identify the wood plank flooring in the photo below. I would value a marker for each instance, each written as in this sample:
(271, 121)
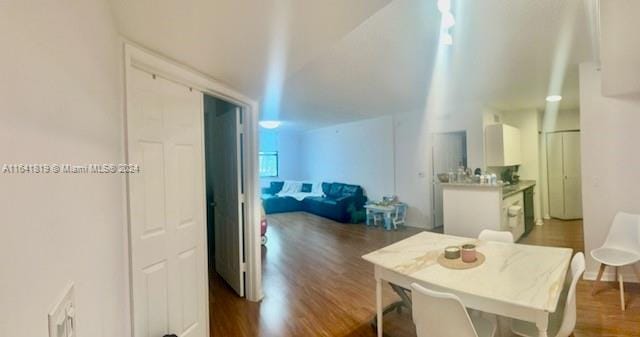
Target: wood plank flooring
(316, 284)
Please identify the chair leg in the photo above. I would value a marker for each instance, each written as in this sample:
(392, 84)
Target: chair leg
(621, 281)
(600, 272)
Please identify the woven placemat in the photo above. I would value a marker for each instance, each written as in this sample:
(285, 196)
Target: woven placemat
(458, 264)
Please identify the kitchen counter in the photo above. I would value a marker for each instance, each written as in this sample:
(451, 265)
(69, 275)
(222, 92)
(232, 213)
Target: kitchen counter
(509, 190)
(473, 185)
(469, 208)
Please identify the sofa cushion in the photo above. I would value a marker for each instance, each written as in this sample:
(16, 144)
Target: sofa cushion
(276, 204)
(329, 201)
(335, 191)
(276, 186)
(326, 188)
(306, 188)
(350, 190)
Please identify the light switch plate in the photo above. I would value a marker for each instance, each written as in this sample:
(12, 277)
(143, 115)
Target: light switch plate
(62, 321)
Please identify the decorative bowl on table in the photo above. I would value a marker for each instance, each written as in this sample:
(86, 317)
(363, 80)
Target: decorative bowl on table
(443, 177)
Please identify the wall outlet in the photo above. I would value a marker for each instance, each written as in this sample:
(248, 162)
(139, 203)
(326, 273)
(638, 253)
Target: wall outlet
(62, 317)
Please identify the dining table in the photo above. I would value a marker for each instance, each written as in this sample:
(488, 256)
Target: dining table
(515, 280)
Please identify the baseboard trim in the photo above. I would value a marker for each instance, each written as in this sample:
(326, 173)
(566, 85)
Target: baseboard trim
(427, 227)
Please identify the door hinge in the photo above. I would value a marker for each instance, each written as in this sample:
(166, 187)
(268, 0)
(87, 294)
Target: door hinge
(243, 267)
(241, 197)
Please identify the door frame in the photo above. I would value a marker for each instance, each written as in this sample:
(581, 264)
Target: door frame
(137, 57)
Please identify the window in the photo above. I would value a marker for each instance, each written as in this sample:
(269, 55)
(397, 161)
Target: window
(269, 164)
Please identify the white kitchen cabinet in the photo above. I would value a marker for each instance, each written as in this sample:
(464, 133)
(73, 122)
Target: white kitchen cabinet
(564, 176)
(470, 208)
(502, 145)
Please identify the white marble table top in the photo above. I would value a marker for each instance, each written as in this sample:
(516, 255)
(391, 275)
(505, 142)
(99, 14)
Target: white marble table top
(529, 276)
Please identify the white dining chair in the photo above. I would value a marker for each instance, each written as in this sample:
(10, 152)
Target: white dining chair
(399, 214)
(563, 321)
(496, 236)
(622, 248)
(499, 236)
(437, 314)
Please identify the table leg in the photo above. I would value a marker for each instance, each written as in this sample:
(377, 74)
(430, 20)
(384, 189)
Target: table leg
(621, 281)
(379, 314)
(387, 221)
(368, 218)
(595, 283)
(542, 323)
(503, 326)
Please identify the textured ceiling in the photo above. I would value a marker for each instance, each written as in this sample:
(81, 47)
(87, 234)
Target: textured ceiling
(332, 61)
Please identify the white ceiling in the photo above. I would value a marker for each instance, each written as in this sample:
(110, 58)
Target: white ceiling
(231, 40)
(346, 60)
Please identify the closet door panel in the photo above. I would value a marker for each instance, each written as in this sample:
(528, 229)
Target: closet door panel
(572, 175)
(555, 175)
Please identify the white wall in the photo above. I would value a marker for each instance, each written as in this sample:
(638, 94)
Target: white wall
(358, 153)
(287, 143)
(610, 161)
(528, 123)
(620, 51)
(413, 144)
(60, 102)
(564, 120)
(413, 169)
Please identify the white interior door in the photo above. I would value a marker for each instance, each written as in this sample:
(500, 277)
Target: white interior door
(228, 195)
(449, 152)
(555, 175)
(166, 208)
(572, 175)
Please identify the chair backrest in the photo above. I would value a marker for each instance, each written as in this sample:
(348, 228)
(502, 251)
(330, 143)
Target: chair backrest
(437, 314)
(625, 232)
(569, 317)
(400, 211)
(500, 236)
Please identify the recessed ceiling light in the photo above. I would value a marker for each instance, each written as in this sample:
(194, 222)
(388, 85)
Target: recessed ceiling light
(554, 98)
(270, 124)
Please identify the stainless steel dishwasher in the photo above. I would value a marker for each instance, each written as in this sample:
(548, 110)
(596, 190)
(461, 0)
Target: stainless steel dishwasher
(529, 217)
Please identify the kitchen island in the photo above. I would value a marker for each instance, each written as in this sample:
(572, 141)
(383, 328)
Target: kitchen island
(469, 208)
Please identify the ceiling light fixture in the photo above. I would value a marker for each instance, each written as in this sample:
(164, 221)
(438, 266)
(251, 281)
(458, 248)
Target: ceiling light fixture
(554, 98)
(448, 21)
(270, 124)
(444, 6)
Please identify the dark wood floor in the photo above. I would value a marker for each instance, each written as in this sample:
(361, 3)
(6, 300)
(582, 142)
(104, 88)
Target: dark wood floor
(316, 284)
